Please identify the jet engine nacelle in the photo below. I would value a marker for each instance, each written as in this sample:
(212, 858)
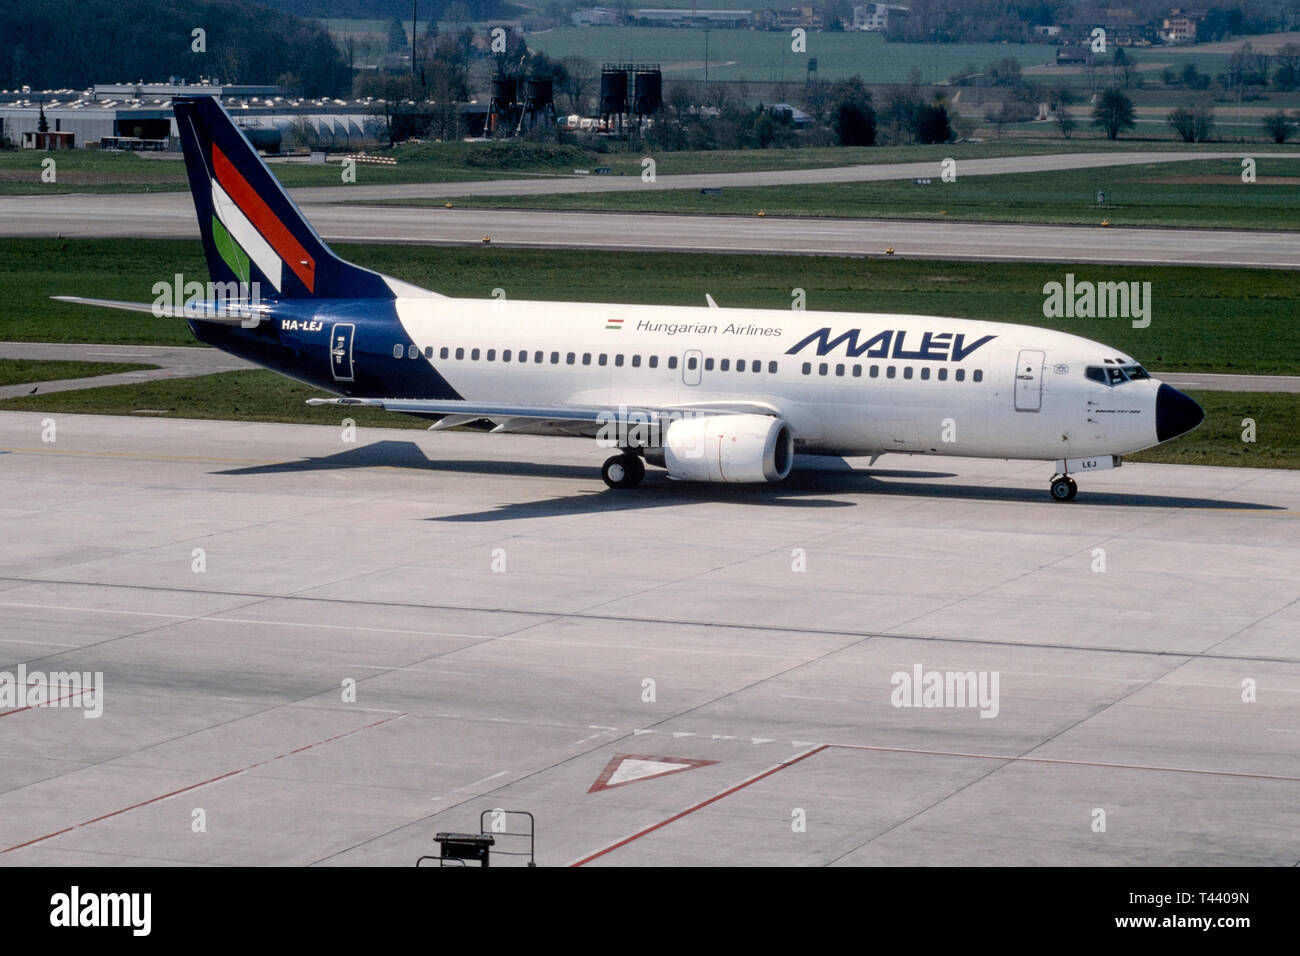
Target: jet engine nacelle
(729, 448)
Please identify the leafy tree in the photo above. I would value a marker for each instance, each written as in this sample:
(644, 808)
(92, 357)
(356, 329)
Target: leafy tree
(396, 36)
(1113, 113)
(854, 124)
(932, 124)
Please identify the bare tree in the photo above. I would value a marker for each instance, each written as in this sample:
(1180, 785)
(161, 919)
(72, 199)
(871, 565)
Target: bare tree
(580, 77)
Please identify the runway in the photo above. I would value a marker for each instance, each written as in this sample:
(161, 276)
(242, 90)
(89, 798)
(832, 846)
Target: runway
(378, 640)
(171, 216)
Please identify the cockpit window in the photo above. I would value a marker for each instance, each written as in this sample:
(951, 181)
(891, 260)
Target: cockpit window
(1114, 374)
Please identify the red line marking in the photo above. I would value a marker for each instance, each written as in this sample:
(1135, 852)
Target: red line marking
(195, 786)
(268, 223)
(19, 710)
(929, 753)
(699, 806)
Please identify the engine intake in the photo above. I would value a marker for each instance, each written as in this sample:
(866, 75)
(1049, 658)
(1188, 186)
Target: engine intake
(729, 448)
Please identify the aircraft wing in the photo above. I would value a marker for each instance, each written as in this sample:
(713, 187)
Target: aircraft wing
(548, 419)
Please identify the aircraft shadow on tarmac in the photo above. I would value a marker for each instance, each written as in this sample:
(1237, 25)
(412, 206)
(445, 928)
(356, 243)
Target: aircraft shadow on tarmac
(806, 487)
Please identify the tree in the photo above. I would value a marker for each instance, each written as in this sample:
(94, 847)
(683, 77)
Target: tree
(1287, 76)
(1279, 126)
(1193, 124)
(580, 76)
(42, 124)
(396, 36)
(1124, 66)
(932, 124)
(1113, 113)
(1059, 104)
(854, 124)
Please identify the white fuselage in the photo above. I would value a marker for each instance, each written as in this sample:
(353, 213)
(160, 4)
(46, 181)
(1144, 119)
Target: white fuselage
(894, 383)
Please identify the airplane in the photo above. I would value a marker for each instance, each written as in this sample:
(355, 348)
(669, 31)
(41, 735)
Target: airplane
(709, 394)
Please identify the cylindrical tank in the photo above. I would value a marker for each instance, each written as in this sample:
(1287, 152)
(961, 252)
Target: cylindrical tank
(613, 92)
(540, 92)
(648, 88)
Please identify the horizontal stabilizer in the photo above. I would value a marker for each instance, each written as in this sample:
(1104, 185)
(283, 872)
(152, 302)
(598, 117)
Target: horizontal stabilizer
(228, 313)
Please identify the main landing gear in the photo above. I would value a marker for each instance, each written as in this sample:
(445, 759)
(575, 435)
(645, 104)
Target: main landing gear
(1063, 488)
(623, 471)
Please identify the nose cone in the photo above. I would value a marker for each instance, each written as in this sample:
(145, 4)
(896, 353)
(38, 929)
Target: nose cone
(1176, 414)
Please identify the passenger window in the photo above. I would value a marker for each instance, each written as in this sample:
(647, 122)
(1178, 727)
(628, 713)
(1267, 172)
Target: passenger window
(875, 371)
(672, 361)
(925, 372)
(602, 359)
(943, 374)
(740, 365)
(523, 355)
(807, 368)
(907, 372)
(428, 351)
(555, 358)
(839, 369)
(412, 351)
(636, 361)
(771, 368)
(473, 355)
(724, 365)
(978, 375)
(708, 365)
(823, 368)
(569, 359)
(690, 362)
(460, 354)
(398, 350)
(857, 371)
(654, 361)
(618, 360)
(444, 353)
(586, 358)
(960, 374)
(491, 355)
(890, 371)
(539, 357)
(505, 356)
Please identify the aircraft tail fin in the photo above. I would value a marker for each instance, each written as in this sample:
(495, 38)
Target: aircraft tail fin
(252, 231)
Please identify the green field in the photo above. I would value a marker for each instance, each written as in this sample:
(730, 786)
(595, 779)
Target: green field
(1218, 439)
(266, 397)
(763, 56)
(1203, 319)
(95, 171)
(27, 371)
(1206, 193)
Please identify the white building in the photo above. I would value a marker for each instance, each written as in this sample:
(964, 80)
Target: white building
(594, 17)
(873, 17)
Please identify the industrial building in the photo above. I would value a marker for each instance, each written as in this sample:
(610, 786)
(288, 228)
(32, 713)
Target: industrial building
(139, 115)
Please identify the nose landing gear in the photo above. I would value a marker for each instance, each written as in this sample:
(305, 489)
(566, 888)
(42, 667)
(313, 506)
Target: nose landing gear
(1063, 488)
(623, 471)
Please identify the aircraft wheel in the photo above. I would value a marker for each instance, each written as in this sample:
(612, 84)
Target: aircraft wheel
(1064, 488)
(623, 471)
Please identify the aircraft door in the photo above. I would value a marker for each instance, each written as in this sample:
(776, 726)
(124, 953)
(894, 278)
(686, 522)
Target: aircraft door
(1029, 380)
(692, 367)
(341, 334)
